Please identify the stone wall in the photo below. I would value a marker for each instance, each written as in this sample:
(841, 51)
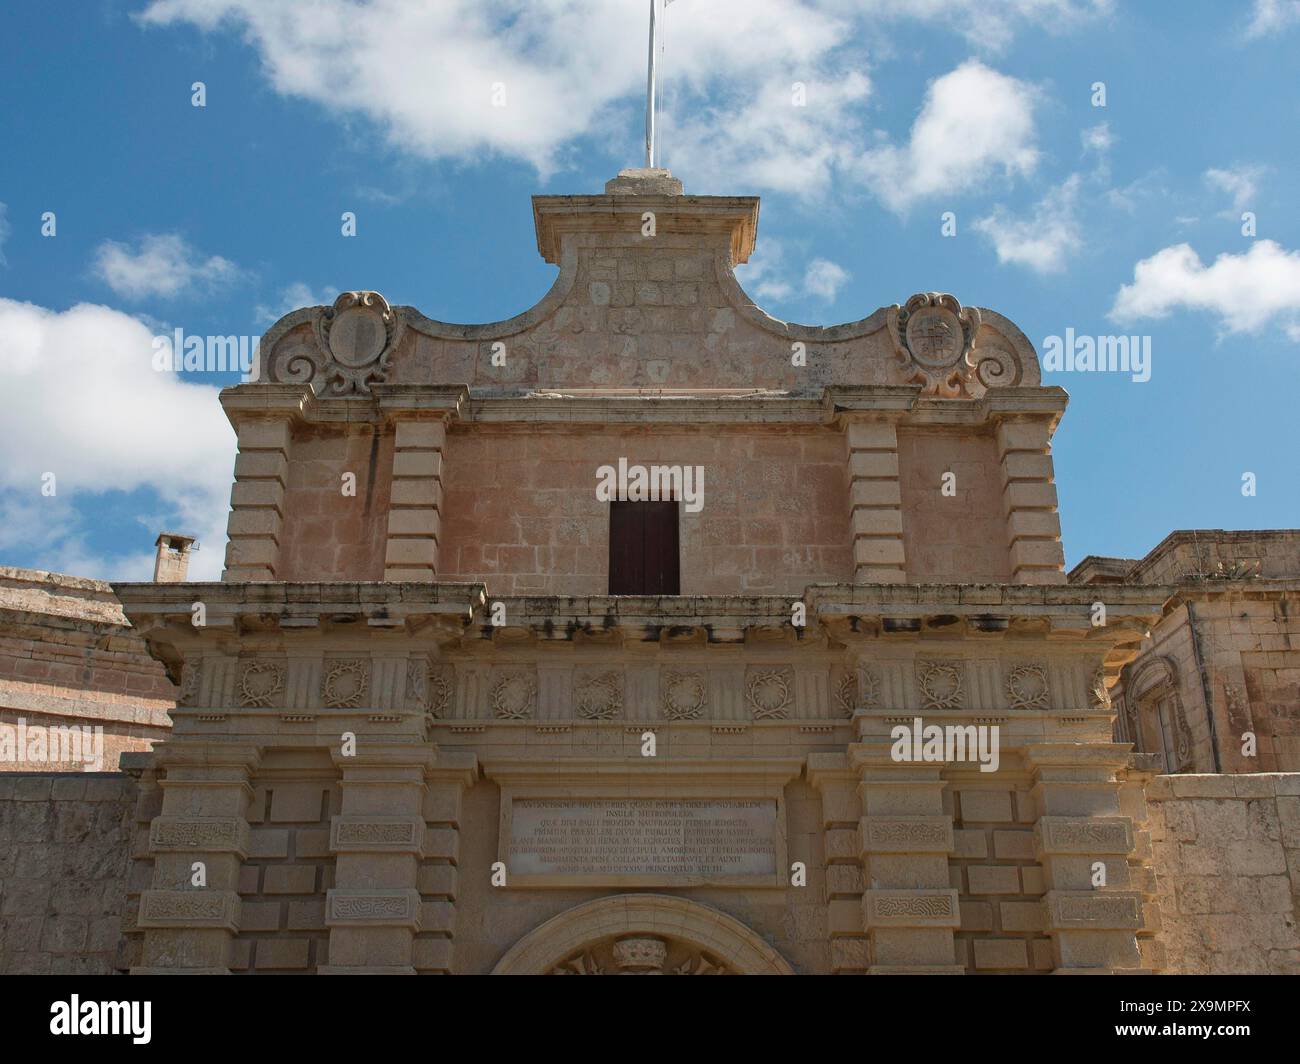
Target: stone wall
(64, 844)
(521, 512)
(1226, 852)
(68, 658)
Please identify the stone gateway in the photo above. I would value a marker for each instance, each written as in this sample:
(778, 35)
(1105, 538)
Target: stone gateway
(480, 716)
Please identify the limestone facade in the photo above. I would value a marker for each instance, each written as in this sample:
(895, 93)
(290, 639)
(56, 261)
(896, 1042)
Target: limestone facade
(414, 732)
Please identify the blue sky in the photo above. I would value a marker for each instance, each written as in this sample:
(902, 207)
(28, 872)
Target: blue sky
(1123, 219)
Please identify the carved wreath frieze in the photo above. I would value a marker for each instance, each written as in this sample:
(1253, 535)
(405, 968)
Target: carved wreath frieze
(440, 686)
(860, 689)
(846, 694)
(768, 693)
(599, 696)
(934, 342)
(354, 340)
(260, 684)
(514, 696)
(940, 684)
(1027, 687)
(417, 684)
(345, 683)
(684, 695)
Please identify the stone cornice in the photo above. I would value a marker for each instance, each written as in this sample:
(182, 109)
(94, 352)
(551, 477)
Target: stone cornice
(248, 607)
(845, 612)
(675, 407)
(734, 218)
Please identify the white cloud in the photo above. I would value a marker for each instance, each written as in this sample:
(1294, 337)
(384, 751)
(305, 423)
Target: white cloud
(294, 297)
(1098, 138)
(5, 230)
(1241, 183)
(1045, 239)
(1249, 292)
(985, 24)
(1273, 16)
(975, 123)
(162, 265)
(423, 74)
(79, 398)
(823, 279)
(767, 142)
(769, 277)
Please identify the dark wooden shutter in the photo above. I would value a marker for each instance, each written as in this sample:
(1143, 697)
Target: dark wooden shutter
(643, 549)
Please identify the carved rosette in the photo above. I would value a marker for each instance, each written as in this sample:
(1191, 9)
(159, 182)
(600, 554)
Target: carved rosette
(345, 683)
(599, 696)
(940, 684)
(1027, 687)
(684, 695)
(355, 339)
(768, 693)
(514, 696)
(260, 684)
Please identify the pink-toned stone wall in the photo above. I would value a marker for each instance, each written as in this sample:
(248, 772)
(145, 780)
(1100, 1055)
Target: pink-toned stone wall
(328, 535)
(520, 511)
(962, 537)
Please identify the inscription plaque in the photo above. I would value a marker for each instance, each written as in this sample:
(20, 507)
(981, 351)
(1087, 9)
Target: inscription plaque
(659, 839)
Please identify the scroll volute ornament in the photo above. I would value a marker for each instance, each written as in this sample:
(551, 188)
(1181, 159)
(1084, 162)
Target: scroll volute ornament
(354, 340)
(934, 341)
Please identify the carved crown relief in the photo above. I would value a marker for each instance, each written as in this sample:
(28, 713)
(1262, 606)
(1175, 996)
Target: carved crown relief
(641, 955)
(354, 338)
(934, 342)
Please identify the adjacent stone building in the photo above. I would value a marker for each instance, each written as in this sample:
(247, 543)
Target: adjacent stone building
(77, 686)
(613, 638)
(1217, 685)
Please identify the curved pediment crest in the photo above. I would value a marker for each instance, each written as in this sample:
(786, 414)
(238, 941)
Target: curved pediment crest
(354, 342)
(935, 342)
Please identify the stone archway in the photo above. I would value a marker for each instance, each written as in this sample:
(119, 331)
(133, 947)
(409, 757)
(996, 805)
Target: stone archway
(642, 934)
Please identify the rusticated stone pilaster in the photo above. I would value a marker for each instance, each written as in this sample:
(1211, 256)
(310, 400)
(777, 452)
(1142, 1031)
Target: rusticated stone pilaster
(378, 840)
(1084, 845)
(909, 908)
(189, 915)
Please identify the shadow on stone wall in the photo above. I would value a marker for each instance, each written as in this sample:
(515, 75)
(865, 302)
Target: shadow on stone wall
(65, 838)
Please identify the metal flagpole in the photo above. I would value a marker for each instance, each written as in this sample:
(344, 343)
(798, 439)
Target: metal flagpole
(652, 85)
